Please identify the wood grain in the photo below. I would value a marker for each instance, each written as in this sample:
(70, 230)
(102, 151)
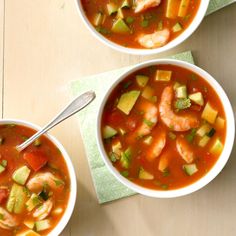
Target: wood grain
(47, 46)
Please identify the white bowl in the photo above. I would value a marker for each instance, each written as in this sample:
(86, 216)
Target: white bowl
(215, 170)
(73, 184)
(182, 37)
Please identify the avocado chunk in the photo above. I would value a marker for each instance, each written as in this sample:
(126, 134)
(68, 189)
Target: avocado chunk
(143, 174)
(127, 101)
(42, 225)
(33, 202)
(108, 132)
(28, 233)
(142, 80)
(217, 147)
(163, 75)
(2, 169)
(119, 26)
(209, 113)
(181, 92)
(197, 98)
(190, 169)
(21, 175)
(125, 158)
(148, 93)
(116, 148)
(17, 199)
(177, 27)
(112, 8)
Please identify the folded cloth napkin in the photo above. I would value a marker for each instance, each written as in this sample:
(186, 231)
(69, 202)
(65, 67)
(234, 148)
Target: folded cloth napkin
(106, 185)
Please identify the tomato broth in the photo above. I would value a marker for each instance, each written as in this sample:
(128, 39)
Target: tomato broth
(152, 27)
(163, 127)
(34, 184)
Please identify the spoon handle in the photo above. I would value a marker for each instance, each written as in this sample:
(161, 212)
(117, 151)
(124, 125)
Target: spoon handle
(76, 105)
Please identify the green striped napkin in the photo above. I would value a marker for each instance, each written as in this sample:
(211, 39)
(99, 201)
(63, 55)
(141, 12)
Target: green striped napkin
(107, 187)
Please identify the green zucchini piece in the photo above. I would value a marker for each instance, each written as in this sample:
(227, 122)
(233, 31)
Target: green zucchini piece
(119, 26)
(108, 132)
(211, 132)
(33, 202)
(142, 80)
(127, 101)
(21, 175)
(203, 130)
(125, 158)
(190, 169)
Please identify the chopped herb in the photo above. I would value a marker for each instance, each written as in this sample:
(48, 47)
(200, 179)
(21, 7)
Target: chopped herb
(103, 30)
(44, 195)
(4, 163)
(129, 20)
(127, 84)
(172, 135)
(24, 138)
(211, 133)
(191, 136)
(1, 216)
(164, 186)
(166, 173)
(148, 122)
(145, 23)
(1, 140)
(193, 77)
(113, 157)
(187, 17)
(125, 173)
(37, 142)
(182, 103)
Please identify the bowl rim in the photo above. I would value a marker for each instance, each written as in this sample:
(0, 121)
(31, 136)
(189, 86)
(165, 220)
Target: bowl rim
(73, 183)
(220, 163)
(175, 42)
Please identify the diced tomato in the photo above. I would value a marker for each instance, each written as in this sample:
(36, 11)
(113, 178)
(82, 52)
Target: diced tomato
(131, 124)
(3, 195)
(115, 117)
(196, 107)
(35, 159)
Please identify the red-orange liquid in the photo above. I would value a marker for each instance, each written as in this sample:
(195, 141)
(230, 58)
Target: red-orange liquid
(153, 15)
(115, 118)
(13, 136)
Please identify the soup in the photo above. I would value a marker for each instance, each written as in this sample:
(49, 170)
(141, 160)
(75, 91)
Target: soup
(34, 184)
(163, 127)
(140, 23)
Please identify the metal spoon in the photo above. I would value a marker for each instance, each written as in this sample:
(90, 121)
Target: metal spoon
(76, 105)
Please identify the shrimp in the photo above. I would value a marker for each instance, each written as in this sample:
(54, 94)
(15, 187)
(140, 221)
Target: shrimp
(7, 221)
(154, 40)
(44, 210)
(184, 150)
(142, 5)
(170, 119)
(39, 181)
(150, 118)
(157, 146)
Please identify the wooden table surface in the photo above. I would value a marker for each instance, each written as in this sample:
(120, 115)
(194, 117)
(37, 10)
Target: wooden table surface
(43, 46)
